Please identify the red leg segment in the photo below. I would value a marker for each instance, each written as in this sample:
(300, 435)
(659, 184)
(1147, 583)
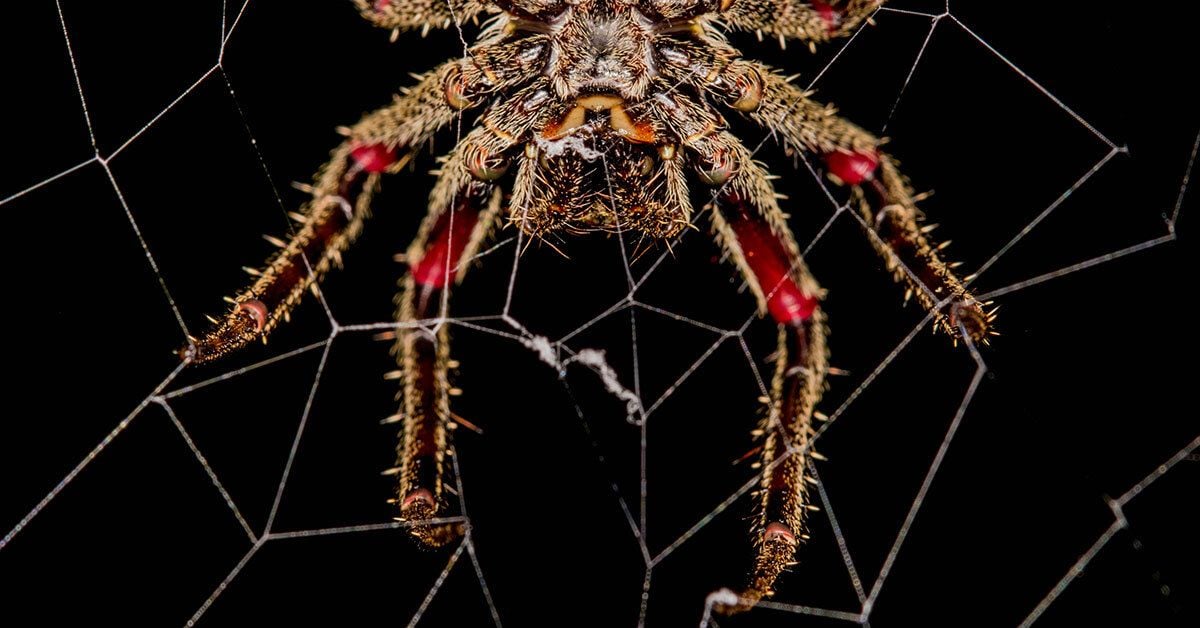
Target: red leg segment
(439, 266)
(771, 264)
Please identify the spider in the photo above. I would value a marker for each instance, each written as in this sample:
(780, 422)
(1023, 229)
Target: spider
(598, 115)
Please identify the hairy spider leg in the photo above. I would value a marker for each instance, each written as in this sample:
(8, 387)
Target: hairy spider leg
(801, 365)
(381, 142)
(329, 223)
(437, 258)
(894, 228)
(812, 21)
(851, 157)
(464, 207)
(407, 15)
(752, 230)
(888, 206)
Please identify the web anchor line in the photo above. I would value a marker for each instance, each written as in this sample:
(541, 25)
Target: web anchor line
(1119, 523)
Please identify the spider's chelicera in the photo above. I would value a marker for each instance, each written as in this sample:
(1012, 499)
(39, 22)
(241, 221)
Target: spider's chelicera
(599, 115)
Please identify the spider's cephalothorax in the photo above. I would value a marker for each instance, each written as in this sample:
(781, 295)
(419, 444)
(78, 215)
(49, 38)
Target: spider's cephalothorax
(600, 46)
(602, 114)
(596, 142)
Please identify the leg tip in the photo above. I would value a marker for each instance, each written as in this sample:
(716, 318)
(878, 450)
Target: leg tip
(727, 602)
(969, 316)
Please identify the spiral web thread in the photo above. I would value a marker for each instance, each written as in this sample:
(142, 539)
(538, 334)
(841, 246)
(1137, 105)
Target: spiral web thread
(561, 355)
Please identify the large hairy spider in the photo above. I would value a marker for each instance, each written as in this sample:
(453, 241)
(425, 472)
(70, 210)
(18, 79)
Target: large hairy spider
(595, 114)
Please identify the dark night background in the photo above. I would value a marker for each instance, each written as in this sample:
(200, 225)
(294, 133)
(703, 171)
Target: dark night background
(1085, 393)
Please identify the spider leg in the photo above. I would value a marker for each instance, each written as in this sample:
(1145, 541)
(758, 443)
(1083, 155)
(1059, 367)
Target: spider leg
(813, 21)
(329, 223)
(884, 197)
(437, 257)
(382, 142)
(404, 15)
(752, 230)
(464, 207)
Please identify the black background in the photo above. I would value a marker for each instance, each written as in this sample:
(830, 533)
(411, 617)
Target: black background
(1084, 396)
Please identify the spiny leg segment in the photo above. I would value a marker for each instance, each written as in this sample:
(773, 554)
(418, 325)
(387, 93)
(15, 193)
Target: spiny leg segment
(406, 15)
(464, 207)
(885, 199)
(801, 365)
(437, 258)
(752, 230)
(329, 223)
(889, 209)
(852, 157)
(382, 142)
(814, 21)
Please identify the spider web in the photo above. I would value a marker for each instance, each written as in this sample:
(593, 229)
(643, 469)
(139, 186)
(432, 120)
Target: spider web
(259, 460)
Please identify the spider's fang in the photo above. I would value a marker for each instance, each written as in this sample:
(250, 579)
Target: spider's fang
(638, 132)
(574, 119)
